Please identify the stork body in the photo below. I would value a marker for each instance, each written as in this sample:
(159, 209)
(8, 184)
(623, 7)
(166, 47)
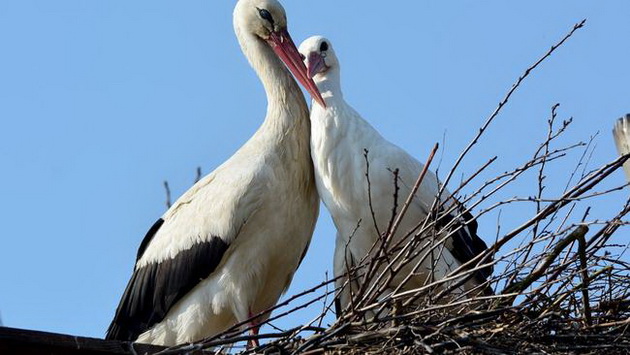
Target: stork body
(340, 138)
(621, 133)
(228, 248)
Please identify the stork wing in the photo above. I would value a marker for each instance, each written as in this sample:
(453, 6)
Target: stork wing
(181, 249)
(464, 244)
(156, 287)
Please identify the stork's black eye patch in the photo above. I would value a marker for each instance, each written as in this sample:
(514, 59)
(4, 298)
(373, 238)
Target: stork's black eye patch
(265, 15)
(323, 47)
(303, 57)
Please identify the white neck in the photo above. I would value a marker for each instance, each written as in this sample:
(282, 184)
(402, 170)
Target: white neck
(285, 102)
(329, 84)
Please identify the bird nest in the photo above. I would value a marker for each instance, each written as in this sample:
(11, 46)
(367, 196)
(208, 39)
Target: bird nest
(560, 283)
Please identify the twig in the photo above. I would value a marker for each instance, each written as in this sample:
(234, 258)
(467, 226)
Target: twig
(168, 195)
(520, 286)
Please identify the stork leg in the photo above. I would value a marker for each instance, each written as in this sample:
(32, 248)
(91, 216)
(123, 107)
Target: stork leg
(255, 328)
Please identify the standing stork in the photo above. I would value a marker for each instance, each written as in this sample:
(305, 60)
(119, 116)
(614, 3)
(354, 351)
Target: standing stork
(228, 248)
(621, 134)
(339, 137)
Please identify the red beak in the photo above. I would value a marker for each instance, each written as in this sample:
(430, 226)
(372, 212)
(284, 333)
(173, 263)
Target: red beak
(316, 64)
(285, 49)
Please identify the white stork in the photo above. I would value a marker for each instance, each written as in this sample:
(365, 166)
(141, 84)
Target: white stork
(228, 248)
(339, 137)
(621, 133)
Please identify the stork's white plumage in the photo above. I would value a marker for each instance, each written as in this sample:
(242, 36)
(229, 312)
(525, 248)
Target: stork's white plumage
(228, 248)
(621, 133)
(339, 136)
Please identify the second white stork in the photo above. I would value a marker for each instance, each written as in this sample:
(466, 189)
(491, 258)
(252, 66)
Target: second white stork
(228, 248)
(339, 138)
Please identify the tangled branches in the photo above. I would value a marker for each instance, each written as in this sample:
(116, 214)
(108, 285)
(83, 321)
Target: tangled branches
(560, 283)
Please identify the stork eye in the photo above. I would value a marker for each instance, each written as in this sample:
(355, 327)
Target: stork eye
(323, 47)
(265, 15)
(303, 57)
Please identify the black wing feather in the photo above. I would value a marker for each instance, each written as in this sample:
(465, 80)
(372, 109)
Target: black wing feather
(466, 244)
(154, 288)
(148, 237)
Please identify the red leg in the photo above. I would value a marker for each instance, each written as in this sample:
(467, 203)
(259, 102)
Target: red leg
(253, 343)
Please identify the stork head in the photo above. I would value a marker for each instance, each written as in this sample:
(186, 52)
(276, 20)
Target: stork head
(319, 56)
(260, 17)
(266, 21)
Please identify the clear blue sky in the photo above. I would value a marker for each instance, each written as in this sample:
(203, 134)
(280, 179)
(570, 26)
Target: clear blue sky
(100, 101)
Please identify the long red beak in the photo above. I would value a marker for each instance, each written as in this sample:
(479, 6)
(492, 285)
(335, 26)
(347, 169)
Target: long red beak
(285, 49)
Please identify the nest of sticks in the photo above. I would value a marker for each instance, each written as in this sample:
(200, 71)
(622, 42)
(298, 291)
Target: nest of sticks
(560, 283)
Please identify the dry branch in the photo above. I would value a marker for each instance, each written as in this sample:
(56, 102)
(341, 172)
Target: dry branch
(561, 284)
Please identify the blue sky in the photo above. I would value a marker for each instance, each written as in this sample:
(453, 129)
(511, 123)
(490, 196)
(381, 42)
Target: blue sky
(100, 101)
